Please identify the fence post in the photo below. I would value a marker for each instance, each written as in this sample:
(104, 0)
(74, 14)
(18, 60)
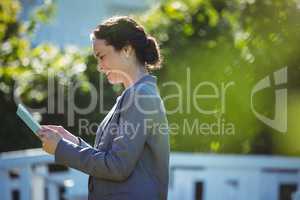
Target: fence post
(25, 183)
(38, 182)
(5, 184)
(53, 191)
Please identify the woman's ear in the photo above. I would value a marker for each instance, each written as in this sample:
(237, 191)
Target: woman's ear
(127, 50)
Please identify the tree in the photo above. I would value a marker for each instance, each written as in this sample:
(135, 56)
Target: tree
(26, 72)
(223, 42)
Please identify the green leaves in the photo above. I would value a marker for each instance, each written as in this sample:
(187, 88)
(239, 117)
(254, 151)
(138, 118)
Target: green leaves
(26, 70)
(222, 41)
(174, 22)
(175, 10)
(44, 13)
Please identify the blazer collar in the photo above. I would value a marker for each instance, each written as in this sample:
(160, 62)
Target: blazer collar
(144, 79)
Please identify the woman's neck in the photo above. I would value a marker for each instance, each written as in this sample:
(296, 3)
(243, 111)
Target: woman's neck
(134, 76)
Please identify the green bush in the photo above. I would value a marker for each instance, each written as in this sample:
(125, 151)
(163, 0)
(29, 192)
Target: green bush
(223, 42)
(25, 73)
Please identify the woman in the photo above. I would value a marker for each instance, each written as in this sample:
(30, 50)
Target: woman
(130, 157)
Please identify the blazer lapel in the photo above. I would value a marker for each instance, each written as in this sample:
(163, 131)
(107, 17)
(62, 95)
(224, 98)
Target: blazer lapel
(105, 122)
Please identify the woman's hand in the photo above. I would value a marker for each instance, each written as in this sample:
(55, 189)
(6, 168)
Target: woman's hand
(63, 133)
(50, 139)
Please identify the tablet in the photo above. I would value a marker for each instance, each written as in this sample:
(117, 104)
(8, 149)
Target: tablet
(27, 118)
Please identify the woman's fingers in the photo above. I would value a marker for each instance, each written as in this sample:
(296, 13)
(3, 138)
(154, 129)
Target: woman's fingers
(54, 132)
(40, 133)
(54, 127)
(45, 134)
(58, 129)
(46, 128)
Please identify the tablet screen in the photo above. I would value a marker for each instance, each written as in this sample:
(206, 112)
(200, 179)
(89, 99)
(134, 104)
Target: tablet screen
(24, 114)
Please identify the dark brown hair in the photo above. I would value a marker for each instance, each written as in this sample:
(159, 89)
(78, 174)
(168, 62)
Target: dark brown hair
(120, 31)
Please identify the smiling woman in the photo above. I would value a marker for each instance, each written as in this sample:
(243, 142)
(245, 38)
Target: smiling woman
(130, 157)
(120, 44)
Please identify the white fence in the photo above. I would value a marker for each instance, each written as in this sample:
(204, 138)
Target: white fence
(232, 177)
(24, 175)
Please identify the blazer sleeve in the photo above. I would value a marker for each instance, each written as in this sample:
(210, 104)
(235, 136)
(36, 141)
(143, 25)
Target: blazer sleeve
(83, 143)
(118, 162)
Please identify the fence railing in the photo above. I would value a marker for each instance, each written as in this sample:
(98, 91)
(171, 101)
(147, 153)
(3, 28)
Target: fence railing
(25, 175)
(30, 174)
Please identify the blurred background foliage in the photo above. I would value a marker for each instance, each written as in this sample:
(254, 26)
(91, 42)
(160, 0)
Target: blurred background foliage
(25, 72)
(230, 41)
(222, 42)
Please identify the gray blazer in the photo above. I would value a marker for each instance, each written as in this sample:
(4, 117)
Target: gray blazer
(130, 157)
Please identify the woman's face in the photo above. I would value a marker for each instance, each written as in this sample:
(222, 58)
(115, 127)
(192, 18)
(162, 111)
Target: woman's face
(110, 61)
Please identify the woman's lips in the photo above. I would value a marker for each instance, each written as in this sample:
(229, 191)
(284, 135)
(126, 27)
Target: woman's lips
(106, 72)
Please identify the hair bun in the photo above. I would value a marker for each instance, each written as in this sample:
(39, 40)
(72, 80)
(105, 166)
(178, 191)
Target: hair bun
(152, 54)
(148, 41)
